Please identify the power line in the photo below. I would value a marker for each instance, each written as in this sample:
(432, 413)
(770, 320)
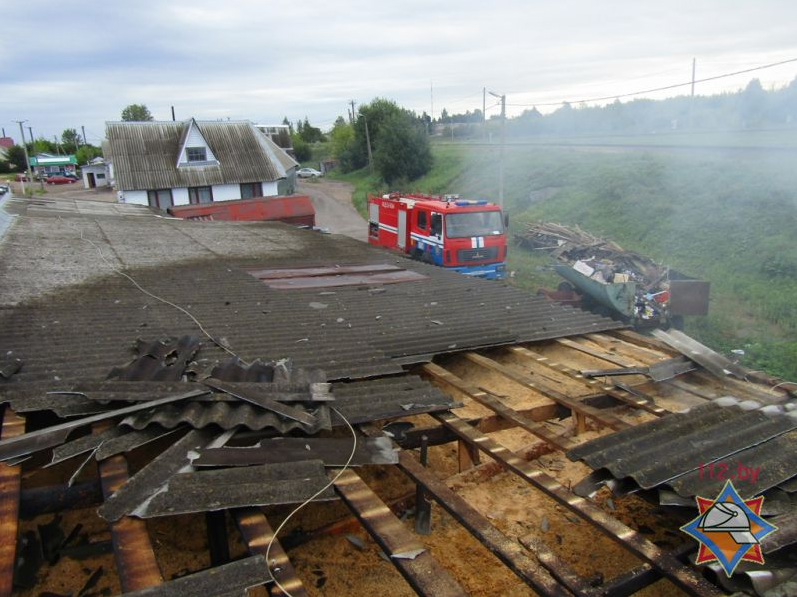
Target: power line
(677, 85)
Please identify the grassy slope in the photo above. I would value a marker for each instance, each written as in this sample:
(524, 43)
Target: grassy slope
(725, 217)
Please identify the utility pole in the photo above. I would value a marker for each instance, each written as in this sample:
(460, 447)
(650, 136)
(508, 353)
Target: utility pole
(352, 113)
(501, 154)
(83, 128)
(27, 158)
(484, 112)
(694, 61)
(431, 97)
(368, 144)
(57, 146)
(173, 119)
(30, 130)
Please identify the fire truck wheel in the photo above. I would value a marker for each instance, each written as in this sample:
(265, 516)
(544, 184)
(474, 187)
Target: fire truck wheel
(565, 287)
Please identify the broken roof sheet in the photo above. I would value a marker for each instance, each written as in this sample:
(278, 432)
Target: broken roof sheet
(670, 450)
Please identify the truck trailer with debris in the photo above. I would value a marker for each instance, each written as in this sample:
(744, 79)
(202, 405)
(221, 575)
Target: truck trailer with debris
(629, 285)
(466, 235)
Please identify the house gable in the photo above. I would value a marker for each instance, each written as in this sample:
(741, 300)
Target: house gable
(194, 148)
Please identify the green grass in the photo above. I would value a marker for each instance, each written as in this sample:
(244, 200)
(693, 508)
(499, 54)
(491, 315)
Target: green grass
(727, 217)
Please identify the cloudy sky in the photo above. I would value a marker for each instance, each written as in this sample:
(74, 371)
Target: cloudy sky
(80, 63)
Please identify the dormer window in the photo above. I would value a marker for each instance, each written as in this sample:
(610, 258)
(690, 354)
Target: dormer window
(196, 154)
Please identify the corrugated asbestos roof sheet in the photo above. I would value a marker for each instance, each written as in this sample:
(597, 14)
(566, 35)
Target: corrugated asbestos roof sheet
(668, 451)
(144, 155)
(359, 401)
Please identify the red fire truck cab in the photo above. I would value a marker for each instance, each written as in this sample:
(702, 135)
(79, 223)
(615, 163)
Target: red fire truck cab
(468, 236)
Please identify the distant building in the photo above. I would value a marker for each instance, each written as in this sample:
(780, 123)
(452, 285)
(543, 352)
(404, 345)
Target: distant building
(6, 143)
(47, 164)
(166, 163)
(280, 134)
(96, 174)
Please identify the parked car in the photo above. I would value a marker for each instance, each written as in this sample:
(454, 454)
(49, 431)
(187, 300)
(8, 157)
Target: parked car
(4, 189)
(58, 179)
(71, 175)
(308, 173)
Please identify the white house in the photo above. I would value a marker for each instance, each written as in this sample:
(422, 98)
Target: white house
(95, 174)
(161, 164)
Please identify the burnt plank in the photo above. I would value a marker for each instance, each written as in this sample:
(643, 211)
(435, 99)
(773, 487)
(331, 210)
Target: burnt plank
(684, 577)
(505, 549)
(498, 407)
(10, 480)
(135, 559)
(574, 405)
(333, 452)
(263, 485)
(258, 534)
(231, 579)
(406, 553)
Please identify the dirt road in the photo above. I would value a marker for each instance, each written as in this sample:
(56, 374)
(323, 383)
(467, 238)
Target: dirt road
(333, 208)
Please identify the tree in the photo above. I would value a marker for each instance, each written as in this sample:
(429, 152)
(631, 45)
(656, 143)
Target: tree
(287, 123)
(309, 133)
(70, 140)
(136, 113)
(86, 153)
(341, 137)
(15, 156)
(402, 148)
(301, 150)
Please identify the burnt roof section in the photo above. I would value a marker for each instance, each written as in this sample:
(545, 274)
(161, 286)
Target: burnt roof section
(668, 451)
(144, 154)
(349, 332)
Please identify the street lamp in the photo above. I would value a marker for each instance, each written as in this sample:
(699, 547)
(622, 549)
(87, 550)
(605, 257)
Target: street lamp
(501, 154)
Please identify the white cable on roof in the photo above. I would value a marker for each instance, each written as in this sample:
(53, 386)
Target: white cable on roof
(156, 297)
(311, 498)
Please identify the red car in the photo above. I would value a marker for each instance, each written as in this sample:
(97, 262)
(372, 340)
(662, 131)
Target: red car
(57, 179)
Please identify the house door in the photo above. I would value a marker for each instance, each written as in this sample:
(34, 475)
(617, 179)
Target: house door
(92, 182)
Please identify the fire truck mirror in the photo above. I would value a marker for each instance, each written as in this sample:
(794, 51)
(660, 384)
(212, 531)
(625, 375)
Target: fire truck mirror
(436, 228)
(506, 221)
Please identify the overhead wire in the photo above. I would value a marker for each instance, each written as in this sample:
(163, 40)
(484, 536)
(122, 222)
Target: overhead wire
(664, 88)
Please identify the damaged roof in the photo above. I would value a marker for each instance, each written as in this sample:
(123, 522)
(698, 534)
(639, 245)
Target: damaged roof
(87, 323)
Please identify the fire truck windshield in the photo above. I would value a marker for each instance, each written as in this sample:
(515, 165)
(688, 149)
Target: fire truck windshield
(475, 223)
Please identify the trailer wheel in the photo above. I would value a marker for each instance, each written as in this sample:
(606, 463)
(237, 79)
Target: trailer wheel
(565, 287)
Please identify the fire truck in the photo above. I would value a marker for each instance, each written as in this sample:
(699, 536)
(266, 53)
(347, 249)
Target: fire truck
(468, 236)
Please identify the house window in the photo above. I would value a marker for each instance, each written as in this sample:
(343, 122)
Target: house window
(100, 175)
(162, 198)
(200, 195)
(251, 189)
(196, 154)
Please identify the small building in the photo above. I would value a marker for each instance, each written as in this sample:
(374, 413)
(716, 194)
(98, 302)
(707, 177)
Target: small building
(6, 143)
(166, 163)
(47, 164)
(96, 174)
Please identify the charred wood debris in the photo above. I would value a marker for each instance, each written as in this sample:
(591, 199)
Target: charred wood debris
(240, 436)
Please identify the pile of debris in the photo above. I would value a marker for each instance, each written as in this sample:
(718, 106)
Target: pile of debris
(643, 288)
(239, 436)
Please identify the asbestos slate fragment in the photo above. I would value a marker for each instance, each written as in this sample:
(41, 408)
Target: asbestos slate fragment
(268, 484)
